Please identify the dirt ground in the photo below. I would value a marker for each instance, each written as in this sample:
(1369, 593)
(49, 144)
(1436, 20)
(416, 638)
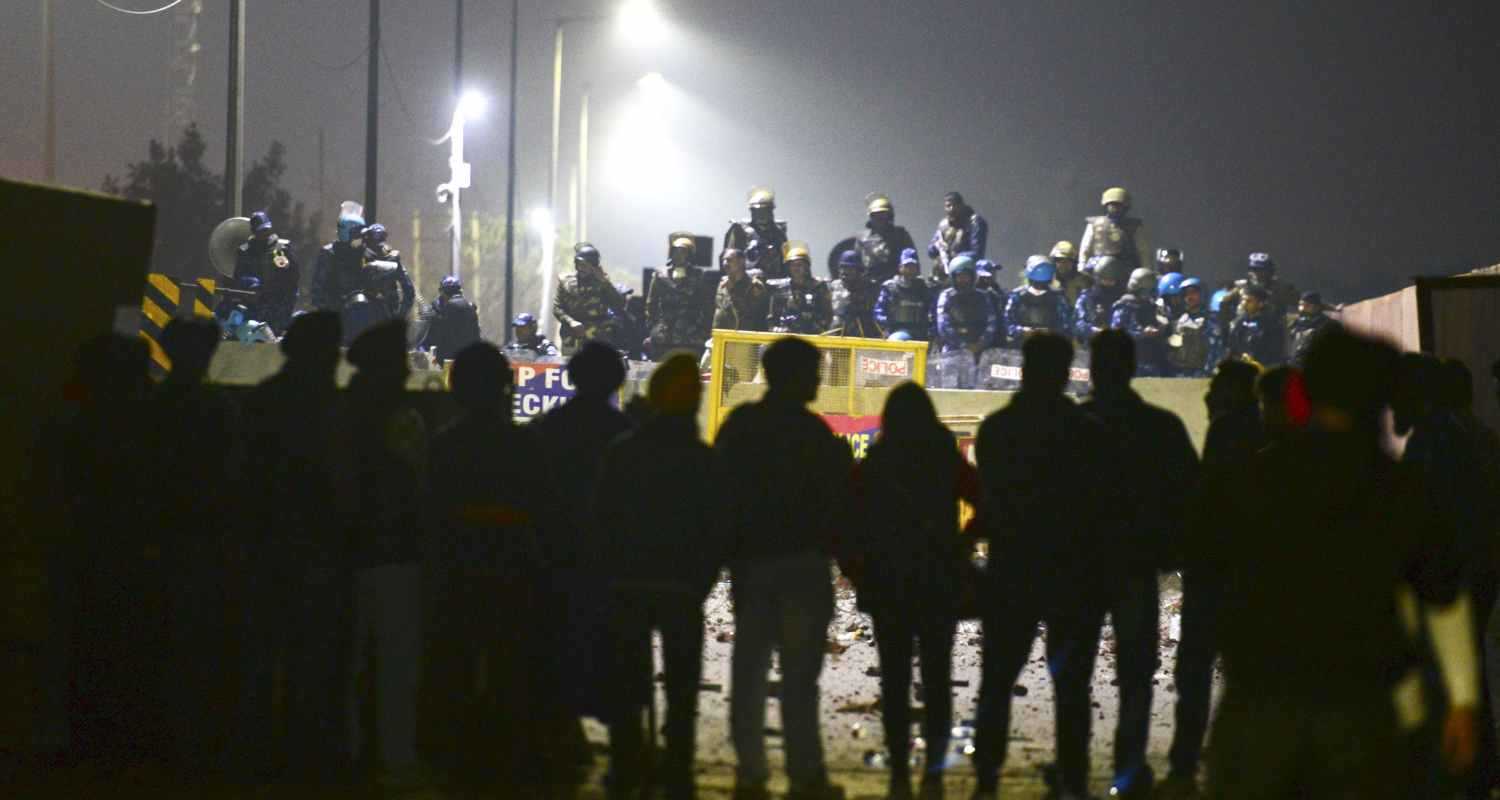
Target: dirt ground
(852, 733)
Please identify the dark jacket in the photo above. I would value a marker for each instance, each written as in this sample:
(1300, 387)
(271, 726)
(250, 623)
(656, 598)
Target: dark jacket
(1160, 473)
(1031, 454)
(787, 480)
(388, 441)
(1310, 613)
(575, 436)
(448, 325)
(654, 510)
(1260, 337)
(906, 553)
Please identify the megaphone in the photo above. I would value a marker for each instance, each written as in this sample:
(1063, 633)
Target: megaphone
(225, 241)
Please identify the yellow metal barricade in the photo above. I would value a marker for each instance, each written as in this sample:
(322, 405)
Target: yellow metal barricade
(854, 379)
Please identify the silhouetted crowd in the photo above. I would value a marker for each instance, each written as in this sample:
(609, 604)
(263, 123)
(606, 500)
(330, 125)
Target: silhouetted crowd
(303, 582)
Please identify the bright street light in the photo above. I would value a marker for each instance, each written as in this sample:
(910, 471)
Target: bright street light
(641, 23)
(470, 105)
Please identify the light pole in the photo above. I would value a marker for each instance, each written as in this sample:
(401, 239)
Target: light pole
(470, 106)
(542, 223)
(640, 23)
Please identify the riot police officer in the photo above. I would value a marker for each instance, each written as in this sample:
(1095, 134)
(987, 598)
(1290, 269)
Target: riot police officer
(853, 296)
(986, 279)
(966, 319)
(385, 279)
(450, 323)
(339, 273)
(587, 305)
(526, 341)
(800, 303)
(961, 230)
(1311, 318)
(1169, 294)
(1113, 233)
(905, 301)
(267, 265)
(882, 241)
(1092, 312)
(1168, 260)
(1070, 280)
(761, 237)
(677, 306)
(1136, 314)
(1192, 346)
(1257, 333)
(742, 299)
(1036, 306)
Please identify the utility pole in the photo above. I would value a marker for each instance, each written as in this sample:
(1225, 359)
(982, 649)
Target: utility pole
(458, 51)
(49, 92)
(557, 70)
(372, 119)
(581, 233)
(510, 169)
(234, 145)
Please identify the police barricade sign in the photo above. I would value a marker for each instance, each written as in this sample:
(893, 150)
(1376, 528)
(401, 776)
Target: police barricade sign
(860, 432)
(1000, 370)
(541, 387)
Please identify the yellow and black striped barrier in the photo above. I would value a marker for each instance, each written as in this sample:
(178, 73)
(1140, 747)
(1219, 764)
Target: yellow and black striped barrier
(164, 299)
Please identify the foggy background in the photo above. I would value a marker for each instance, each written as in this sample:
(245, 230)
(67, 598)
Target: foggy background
(1354, 141)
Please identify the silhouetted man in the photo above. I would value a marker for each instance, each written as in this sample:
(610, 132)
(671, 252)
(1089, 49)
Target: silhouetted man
(388, 440)
(656, 529)
(296, 557)
(192, 489)
(1234, 436)
(110, 558)
(1048, 555)
(575, 436)
(790, 477)
(1319, 654)
(491, 505)
(1155, 452)
(1457, 467)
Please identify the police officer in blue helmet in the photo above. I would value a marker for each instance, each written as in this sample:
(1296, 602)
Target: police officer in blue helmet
(448, 324)
(905, 302)
(1036, 306)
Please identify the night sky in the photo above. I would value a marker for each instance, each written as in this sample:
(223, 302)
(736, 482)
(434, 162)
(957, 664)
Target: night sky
(1355, 141)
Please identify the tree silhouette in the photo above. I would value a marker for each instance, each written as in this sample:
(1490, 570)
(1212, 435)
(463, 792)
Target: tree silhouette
(189, 200)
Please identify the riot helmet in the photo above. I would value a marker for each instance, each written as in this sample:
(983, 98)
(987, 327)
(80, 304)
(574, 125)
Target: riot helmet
(1142, 282)
(1192, 293)
(450, 285)
(351, 224)
(585, 253)
(910, 266)
(850, 264)
(1168, 259)
(1116, 201)
(1040, 271)
(762, 202)
(260, 224)
(1261, 268)
(960, 267)
(799, 255)
(880, 209)
(1170, 284)
(376, 234)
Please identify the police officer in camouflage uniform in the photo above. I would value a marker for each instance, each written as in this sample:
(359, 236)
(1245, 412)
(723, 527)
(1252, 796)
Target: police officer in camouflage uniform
(1037, 306)
(854, 297)
(742, 299)
(678, 314)
(1136, 314)
(961, 230)
(526, 341)
(800, 303)
(905, 302)
(966, 319)
(587, 305)
(1070, 280)
(882, 241)
(1115, 234)
(761, 237)
(1092, 312)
